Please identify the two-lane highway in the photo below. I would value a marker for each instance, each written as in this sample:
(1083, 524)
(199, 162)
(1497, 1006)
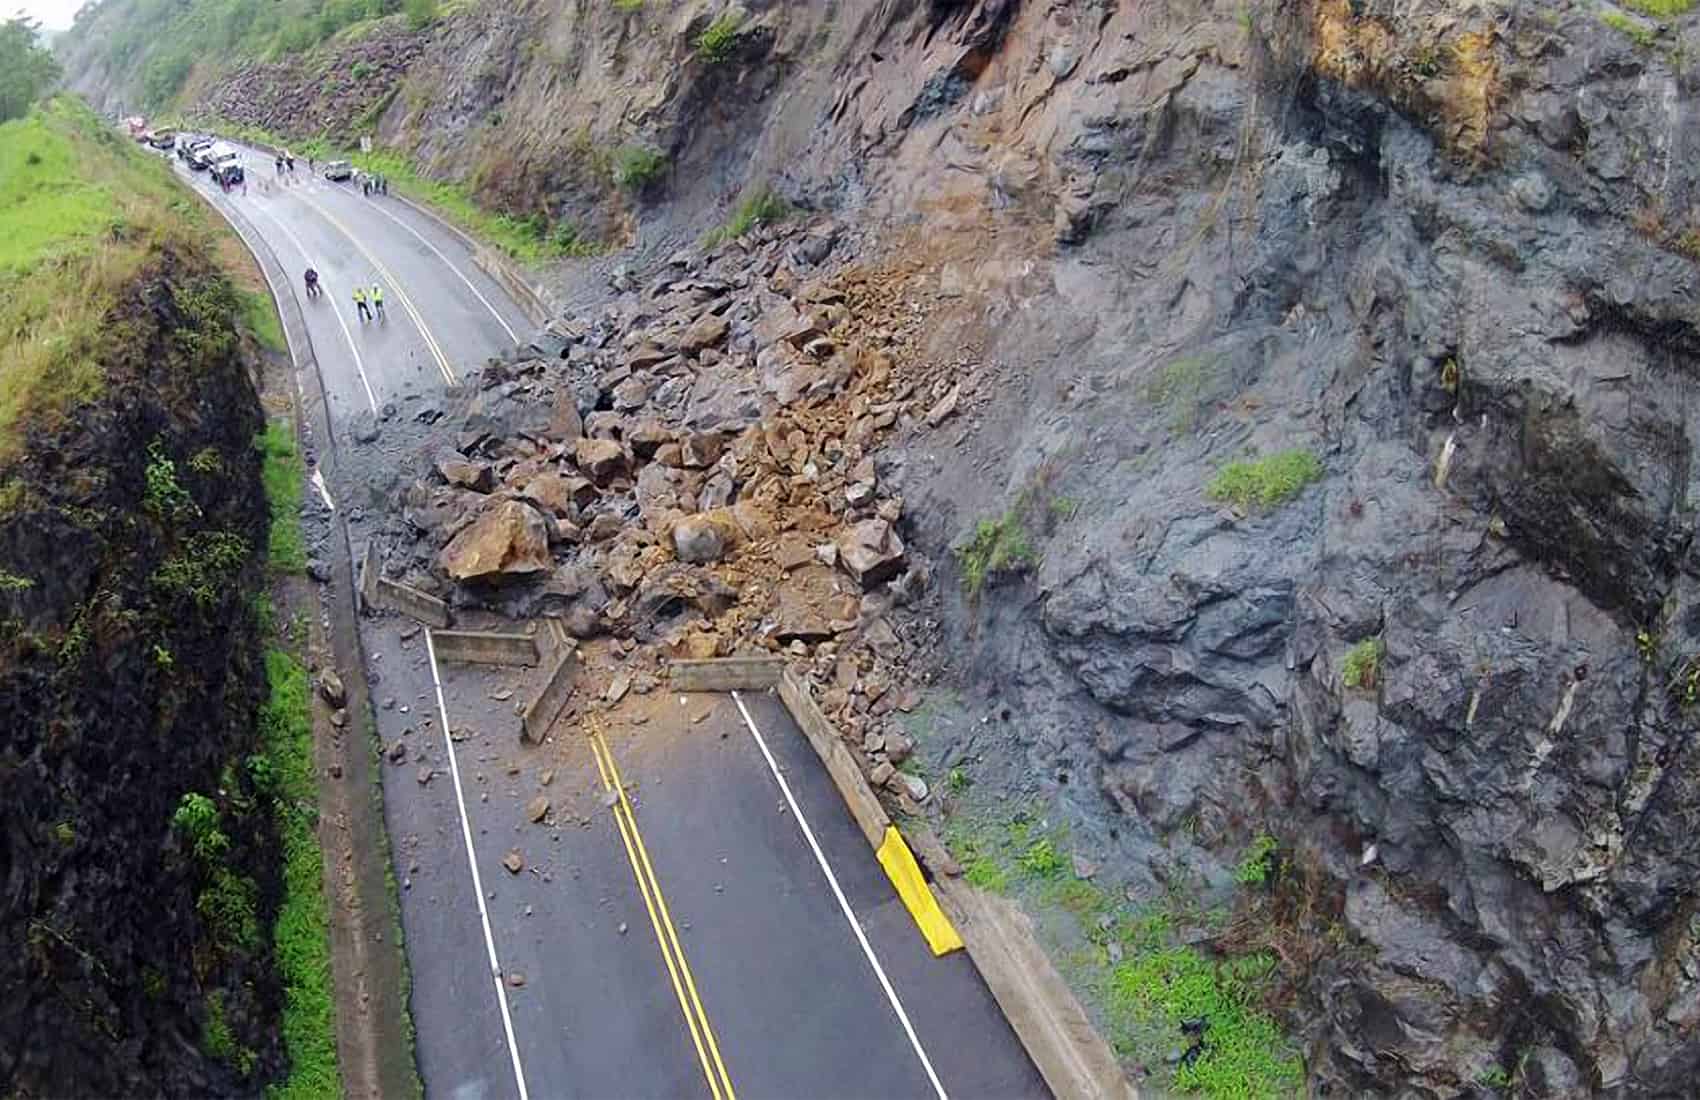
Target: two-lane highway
(694, 914)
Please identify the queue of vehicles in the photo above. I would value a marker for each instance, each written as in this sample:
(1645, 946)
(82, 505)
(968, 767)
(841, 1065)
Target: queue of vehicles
(205, 153)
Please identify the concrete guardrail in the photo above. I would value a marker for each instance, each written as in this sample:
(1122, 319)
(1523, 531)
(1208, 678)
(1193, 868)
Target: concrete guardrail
(846, 774)
(552, 697)
(1071, 1056)
(379, 593)
(1075, 1061)
(725, 674)
(485, 647)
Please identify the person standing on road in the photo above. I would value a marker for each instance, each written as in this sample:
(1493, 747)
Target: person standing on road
(365, 186)
(378, 300)
(360, 306)
(384, 184)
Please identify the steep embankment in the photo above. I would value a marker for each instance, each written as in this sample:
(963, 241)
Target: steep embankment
(1320, 470)
(139, 756)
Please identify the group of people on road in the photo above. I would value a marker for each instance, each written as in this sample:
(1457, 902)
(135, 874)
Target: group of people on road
(377, 303)
(368, 302)
(372, 183)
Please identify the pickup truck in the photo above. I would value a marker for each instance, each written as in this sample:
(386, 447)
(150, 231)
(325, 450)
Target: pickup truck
(226, 164)
(163, 139)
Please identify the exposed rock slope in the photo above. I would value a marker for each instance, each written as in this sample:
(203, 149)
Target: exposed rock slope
(1444, 250)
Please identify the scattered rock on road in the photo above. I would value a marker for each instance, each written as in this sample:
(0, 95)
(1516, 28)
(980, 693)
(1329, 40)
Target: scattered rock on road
(513, 861)
(330, 686)
(537, 809)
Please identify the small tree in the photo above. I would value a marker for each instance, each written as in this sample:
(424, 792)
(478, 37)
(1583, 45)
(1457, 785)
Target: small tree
(27, 70)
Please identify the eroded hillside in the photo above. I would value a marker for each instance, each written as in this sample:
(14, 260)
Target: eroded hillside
(146, 782)
(1320, 471)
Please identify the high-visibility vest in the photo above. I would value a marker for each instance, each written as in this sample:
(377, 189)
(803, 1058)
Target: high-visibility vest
(377, 294)
(359, 295)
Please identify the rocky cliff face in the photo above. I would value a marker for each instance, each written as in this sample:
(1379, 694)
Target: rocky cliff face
(129, 675)
(1439, 256)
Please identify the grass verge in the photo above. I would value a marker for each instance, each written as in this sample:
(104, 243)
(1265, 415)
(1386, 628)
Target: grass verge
(283, 473)
(262, 320)
(301, 938)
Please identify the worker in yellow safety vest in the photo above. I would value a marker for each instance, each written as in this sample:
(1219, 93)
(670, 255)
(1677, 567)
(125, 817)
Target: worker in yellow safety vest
(378, 300)
(360, 304)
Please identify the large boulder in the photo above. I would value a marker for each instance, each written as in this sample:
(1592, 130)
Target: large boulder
(871, 551)
(458, 470)
(705, 331)
(510, 539)
(699, 539)
(559, 494)
(600, 458)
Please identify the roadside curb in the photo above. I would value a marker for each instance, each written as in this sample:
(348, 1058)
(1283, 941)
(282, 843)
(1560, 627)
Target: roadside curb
(491, 261)
(1075, 1061)
(379, 954)
(1073, 1058)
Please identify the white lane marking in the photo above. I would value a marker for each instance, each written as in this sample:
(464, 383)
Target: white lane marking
(843, 903)
(306, 256)
(318, 480)
(500, 320)
(477, 881)
(395, 285)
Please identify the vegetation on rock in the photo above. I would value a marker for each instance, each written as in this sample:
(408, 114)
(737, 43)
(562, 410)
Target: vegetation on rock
(1265, 482)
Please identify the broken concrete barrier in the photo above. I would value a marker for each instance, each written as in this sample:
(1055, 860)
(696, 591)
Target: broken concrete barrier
(725, 674)
(552, 697)
(485, 647)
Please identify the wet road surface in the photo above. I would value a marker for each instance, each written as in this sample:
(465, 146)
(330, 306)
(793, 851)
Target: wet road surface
(672, 930)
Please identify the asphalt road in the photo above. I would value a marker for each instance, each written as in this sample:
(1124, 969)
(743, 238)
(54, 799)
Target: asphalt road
(672, 930)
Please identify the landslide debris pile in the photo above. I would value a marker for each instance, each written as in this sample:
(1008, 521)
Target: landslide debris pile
(132, 535)
(693, 473)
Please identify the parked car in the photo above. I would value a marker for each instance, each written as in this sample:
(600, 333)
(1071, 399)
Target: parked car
(200, 154)
(339, 170)
(163, 139)
(226, 165)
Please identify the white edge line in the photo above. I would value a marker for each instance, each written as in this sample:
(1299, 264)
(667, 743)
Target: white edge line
(843, 903)
(500, 320)
(477, 881)
(346, 335)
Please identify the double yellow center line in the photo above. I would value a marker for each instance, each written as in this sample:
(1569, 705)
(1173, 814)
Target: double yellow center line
(395, 285)
(684, 987)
